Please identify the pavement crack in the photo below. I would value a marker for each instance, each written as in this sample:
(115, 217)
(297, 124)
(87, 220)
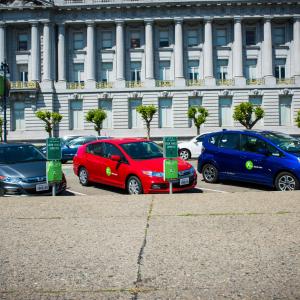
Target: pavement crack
(138, 281)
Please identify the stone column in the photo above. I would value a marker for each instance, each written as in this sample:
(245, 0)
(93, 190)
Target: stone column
(2, 42)
(268, 53)
(61, 56)
(35, 50)
(208, 54)
(179, 77)
(47, 57)
(120, 56)
(238, 53)
(149, 52)
(90, 57)
(297, 49)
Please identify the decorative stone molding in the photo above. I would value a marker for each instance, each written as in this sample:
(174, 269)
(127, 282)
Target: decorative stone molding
(165, 94)
(225, 92)
(104, 95)
(195, 93)
(255, 92)
(33, 101)
(286, 92)
(135, 95)
(74, 96)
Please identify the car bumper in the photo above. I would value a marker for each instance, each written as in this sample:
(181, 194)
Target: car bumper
(30, 189)
(161, 186)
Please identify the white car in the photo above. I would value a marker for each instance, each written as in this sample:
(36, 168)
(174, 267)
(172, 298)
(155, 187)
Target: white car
(192, 148)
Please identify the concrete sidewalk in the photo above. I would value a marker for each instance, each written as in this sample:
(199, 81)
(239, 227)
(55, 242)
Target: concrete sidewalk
(195, 246)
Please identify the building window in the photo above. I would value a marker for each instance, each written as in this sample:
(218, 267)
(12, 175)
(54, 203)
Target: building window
(76, 114)
(135, 39)
(221, 37)
(251, 69)
(164, 70)
(78, 41)
(106, 105)
(165, 113)
(107, 72)
(257, 102)
(78, 72)
(107, 40)
(225, 109)
(285, 103)
(23, 73)
(23, 42)
(19, 116)
(279, 35)
(135, 120)
(194, 102)
(164, 38)
(193, 69)
(250, 36)
(135, 71)
(280, 68)
(192, 38)
(222, 69)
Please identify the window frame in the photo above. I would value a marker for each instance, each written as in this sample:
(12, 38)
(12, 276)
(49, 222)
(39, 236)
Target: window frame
(218, 30)
(19, 42)
(75, 41)
(162, 39)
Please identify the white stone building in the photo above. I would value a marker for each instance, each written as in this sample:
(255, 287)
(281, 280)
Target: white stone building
(73, 55)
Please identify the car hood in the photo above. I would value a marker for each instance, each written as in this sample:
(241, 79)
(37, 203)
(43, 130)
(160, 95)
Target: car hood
(23, 170)
(157, 165)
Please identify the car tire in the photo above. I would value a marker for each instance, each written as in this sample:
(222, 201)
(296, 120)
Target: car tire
(210, 173)
(134, 186)
(286, 181)
(184, 154)
(83, 176)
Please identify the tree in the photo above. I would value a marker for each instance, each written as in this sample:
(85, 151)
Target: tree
(248, 114)
(1, 124)
(50, 118)
(96, 116)
(298, 119)
(147, 112)
(198, 114)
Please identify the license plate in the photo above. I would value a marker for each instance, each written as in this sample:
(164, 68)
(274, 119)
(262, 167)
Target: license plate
(42, 187)
(184, 181)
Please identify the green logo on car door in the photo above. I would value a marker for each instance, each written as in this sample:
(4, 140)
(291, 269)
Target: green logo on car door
(108, 171)
(249, 165)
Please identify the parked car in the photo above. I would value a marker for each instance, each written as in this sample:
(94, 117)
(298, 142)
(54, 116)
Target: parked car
(23, 171)
(264, 157)
(132, 164)
(68, 138)
(69, 149)
(191, 148)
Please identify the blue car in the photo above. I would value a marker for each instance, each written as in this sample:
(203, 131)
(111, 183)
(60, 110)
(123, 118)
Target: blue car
(264, 157)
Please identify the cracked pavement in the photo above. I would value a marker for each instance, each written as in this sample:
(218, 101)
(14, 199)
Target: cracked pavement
(185, 246)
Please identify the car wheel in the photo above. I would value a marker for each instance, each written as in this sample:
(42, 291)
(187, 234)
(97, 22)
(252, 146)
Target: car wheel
(83, 176)
(210, 173)
(184, 154)
(286, 181)
(134, 186)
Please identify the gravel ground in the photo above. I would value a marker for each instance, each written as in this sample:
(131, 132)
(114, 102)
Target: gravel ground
(204, 246)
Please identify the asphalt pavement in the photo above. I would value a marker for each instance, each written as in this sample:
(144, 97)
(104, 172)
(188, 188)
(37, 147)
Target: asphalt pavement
(204, 246)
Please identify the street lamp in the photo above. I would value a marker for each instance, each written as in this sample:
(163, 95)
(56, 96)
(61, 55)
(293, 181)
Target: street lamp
(5, 70)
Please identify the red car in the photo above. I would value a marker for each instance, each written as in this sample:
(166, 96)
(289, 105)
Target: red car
(132, 164)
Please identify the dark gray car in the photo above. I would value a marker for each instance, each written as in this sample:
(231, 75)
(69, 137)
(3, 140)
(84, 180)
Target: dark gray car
(23, 171)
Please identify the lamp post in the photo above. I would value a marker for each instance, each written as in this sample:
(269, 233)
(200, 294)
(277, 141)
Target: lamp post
(5, 70)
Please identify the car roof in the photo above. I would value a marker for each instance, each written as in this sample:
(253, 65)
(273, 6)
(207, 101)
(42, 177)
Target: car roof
(14, 145)
(258, 132)
(120, 141)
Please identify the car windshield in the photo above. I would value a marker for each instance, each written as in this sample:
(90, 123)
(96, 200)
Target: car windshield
(284, 141)
(20, 154)
(81, 141)
(142, 150)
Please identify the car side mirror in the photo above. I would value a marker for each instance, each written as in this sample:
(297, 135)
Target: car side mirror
(115, 157)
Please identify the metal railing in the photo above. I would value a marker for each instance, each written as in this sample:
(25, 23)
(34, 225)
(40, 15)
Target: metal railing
(134, 84)
(225, 82)
(258, 81)
(104, 85)
(75, 85)
(164, 83)
(285, 80)
(24, 85)
(197, 82)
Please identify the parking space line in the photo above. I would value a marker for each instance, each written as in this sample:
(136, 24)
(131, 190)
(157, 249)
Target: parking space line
(205, 189)
(78, 193)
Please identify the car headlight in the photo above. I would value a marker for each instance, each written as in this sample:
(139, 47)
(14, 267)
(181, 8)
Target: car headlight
(153, 174)
(7, 179)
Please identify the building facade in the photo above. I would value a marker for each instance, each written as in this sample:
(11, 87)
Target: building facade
(71, 56)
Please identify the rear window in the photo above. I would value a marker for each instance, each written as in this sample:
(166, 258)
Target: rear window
(214, 139)
(230, 141)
